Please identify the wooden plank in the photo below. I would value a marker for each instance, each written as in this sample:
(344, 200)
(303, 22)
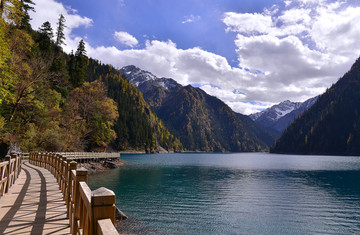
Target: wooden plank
(105, 226)
(85, 193)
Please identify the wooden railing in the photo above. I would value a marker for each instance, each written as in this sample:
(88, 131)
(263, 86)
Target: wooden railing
(9, 172)
(90, 156)
(89, 212)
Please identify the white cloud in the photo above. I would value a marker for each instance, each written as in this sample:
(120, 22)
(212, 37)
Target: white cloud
(287, 3)
(126, 39)
(248, 22)
(337, 32)
(49, 10)
(300, 50)
(190, 19)
(309, 2)
(296, 16)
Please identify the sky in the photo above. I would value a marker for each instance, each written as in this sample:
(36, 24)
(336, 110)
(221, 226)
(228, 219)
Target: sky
(249, 53)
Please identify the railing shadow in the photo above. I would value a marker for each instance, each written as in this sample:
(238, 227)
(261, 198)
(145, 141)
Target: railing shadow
(9, 216)
(36, 208)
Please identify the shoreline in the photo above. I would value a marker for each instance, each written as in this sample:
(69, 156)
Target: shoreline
(103, 165)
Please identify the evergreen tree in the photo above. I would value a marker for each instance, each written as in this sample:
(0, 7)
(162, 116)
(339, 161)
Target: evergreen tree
(46, 29)
(60, 36)
(79, 63)
(81, 52)
(45, 37)
(26, 6)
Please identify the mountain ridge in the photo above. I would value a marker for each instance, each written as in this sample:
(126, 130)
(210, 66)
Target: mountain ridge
(279, 116)
(202, 122)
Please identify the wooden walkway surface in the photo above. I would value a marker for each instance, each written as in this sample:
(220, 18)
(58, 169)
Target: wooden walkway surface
(34, 205)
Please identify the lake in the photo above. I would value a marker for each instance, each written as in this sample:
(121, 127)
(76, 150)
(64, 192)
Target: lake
(236, 193)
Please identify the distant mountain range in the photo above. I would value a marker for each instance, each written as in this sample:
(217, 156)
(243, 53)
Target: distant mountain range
(201, 122)
(331, 125)
(279, 116)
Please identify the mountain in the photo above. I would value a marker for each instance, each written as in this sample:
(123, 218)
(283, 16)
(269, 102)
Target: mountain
(137, 126)
(201, 122)
(279, 116)
(331, 125)
(154, 89)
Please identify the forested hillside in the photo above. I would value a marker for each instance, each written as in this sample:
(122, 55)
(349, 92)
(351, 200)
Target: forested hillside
(137, 126)
(53, 101)
(201, 122)
(205, 123)
(331, 125)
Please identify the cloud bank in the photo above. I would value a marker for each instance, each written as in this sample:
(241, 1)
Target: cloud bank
(294, 50)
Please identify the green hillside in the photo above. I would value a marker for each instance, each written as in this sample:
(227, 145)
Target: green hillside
(332, 125)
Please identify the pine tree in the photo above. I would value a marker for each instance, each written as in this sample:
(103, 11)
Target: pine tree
(46, 29)
(26, 6)
(60, 36)
(45, 37)
(79, 74)
(81, 52)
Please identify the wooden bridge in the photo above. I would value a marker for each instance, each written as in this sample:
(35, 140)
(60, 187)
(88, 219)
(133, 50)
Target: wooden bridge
(49, 195)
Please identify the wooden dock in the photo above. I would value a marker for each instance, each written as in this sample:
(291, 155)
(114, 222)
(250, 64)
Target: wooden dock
(48, 195)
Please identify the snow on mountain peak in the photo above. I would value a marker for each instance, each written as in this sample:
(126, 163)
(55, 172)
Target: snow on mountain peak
(277, 111)
(279, 115)
(138, 76)
(135, 75)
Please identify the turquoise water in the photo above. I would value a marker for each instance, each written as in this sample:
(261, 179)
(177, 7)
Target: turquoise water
(242, 193)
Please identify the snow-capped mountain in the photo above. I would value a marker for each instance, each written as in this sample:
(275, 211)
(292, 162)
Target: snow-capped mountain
(279, 116)
(198, 120)
(138, 77)
(154, 89)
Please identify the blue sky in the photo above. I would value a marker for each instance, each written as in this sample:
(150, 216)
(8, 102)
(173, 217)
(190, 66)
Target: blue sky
(267, 51)
(188, 23)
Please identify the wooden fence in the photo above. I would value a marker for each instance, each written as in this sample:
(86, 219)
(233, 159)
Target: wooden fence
(90, 156)
(9, 172)
(89, 212)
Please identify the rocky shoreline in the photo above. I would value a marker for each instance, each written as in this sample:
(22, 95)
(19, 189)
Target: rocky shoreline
(103, 165)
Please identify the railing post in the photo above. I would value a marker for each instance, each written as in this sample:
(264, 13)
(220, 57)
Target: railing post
(81, 176)
(61, 171)
(51, 155)
(57, 166)
(102, 206)
(64, 176)
(14, 167)
(69, 194)
(8, 159)
(19, 162)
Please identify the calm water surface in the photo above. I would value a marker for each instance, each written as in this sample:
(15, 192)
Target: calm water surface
(242, 193)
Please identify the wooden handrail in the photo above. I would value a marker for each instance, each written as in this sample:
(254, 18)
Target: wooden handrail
(90, 155)
(104, 227)
(9, 172)
(89, 212)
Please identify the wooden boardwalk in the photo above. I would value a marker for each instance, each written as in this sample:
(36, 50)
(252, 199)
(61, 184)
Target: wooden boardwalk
(34, 205)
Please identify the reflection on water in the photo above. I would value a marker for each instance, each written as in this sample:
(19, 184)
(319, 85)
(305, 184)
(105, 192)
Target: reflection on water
(237, 193)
